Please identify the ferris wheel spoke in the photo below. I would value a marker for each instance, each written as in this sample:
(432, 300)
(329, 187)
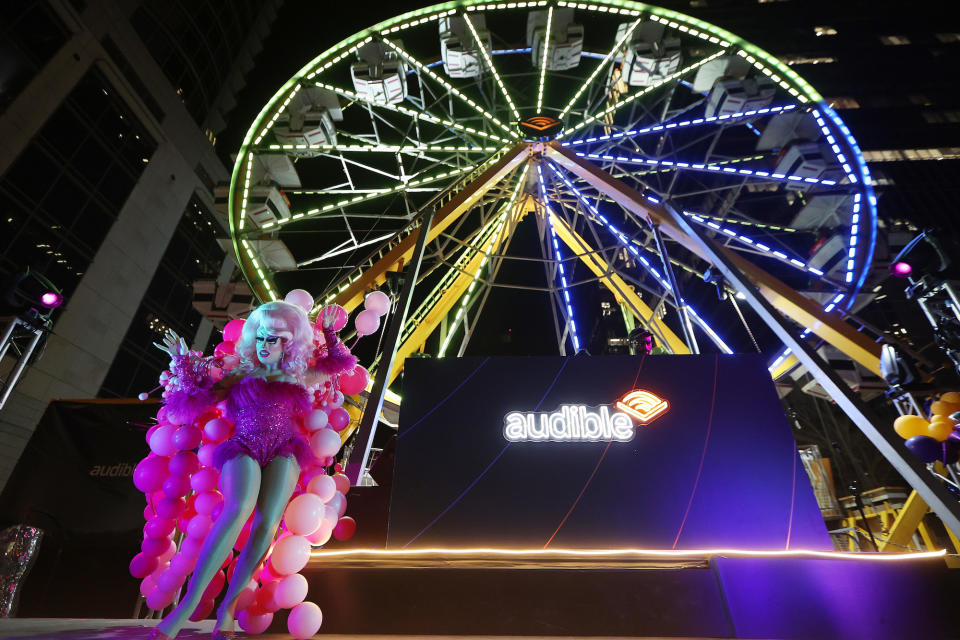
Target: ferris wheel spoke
(489, 62)
(423, 69)
(543, 60)
(597, 119)
(600, 66)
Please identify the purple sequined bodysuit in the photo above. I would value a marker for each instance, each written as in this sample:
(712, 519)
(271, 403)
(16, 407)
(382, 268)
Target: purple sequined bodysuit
(263, 413)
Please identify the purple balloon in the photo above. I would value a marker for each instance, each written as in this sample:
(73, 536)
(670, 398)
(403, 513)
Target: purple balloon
(925, 448)
(951, 449)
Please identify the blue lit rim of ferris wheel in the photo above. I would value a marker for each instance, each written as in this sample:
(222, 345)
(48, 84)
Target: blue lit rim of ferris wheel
(859, 259)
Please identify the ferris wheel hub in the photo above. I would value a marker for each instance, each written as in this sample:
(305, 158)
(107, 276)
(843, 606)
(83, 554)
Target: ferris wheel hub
(540, 128)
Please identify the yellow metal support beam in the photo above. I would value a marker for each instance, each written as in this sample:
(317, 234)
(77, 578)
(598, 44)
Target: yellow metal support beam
(902, 530)
(623, 292)
(352, 296)
(797, 307)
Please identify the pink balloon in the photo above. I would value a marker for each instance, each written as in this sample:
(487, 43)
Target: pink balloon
(164, 558)
(150, 473)
(225, 349)
(330, 515)
(151, 431)
(315, 420)
(158, 599)
(325, 442)
(143, 565)
(303, 514)
(176, 486)
(353, 381)
(290, 591)
(246, 597)
(203, 610)
(366, 322)
(205, 454)
(339, 503)
(216, 585)
(204, 480)
(339, 419)
(182, 564)
(158, 528)
(170, 508)
(161, 442)
(147, 585)
(206, 502)
(190, 547)
(320, 536)
(187, 437)
(323, 486)
(341, 320)
(233, 330)
(254, 624)
(301, 298)
(342, 483)
(290, 555)
(377, 302)
(304, 620)
(170, 580)
(199, 526)
(184, 463)
(345, 528)
(217, 430)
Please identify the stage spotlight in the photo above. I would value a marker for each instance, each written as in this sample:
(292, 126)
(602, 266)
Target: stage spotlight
(51, 300)
(901, 269)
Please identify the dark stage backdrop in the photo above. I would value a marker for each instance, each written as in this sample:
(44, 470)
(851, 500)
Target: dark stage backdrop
(74, 481)
(718, 469)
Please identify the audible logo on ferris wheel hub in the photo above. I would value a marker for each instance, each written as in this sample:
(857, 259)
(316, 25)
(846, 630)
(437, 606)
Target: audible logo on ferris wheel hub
(580, 423)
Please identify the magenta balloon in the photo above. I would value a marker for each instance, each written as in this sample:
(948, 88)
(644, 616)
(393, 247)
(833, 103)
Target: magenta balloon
(199, 526)
(246, 597)
(225, 349)
(204, 609)
(252, 623)
(205, 454)
(147, 585)
(182, 563)
(190, 547)
(216, 585)
(143, 565)
(184, 463)
(155, 546)
(187, 437)
(176, 486)
(339, 419)
(367, 322)
(158, 528)
(150, 473)
(161, 442)
(378, 302)
(170, 580)
(217, 430)
(233, 330)
(304, 620)
(354, 381)
(207, 501)
(170, 508)
(159, 599)
(205, 480)
(346, 527)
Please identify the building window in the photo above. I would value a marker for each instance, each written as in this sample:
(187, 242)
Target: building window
(30, 33)
(800, 59)
(60, 197)
(943, 116)
(843, 102)
(192, 254)
(948, 37)
(894, 40)
(900, 155)
(824, 31)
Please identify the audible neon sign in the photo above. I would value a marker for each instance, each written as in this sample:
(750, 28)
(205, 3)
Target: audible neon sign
(580, 423)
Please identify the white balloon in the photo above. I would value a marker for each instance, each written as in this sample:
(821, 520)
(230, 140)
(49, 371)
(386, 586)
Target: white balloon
(325, 443)
(338, 502)
(316, 420)
(324, 486)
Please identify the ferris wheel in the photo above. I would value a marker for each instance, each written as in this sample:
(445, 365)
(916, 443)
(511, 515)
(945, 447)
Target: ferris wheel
(607, 126)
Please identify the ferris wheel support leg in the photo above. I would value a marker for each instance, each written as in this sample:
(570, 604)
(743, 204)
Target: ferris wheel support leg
(685, 323)
(621, 291)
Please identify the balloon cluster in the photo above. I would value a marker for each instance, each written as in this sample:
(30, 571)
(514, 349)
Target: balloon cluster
(181, 487)
(375, 305)
(937, 439)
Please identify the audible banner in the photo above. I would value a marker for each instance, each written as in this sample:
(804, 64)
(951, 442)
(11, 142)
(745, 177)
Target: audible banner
(686, 452)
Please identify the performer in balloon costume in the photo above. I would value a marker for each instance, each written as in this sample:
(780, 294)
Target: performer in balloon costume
(240, 452)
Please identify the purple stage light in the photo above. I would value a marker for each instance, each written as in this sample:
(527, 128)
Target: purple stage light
(51, 300)
(901, 269)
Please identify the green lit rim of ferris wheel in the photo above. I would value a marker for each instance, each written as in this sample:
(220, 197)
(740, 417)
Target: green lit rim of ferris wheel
(580, 135)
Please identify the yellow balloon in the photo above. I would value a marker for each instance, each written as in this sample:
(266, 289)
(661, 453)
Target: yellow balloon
(939, 430)
(945, 419)
(952, 397)
(909, 426)
(941, 408)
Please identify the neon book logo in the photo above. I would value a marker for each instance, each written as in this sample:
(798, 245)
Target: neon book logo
(580, 423)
